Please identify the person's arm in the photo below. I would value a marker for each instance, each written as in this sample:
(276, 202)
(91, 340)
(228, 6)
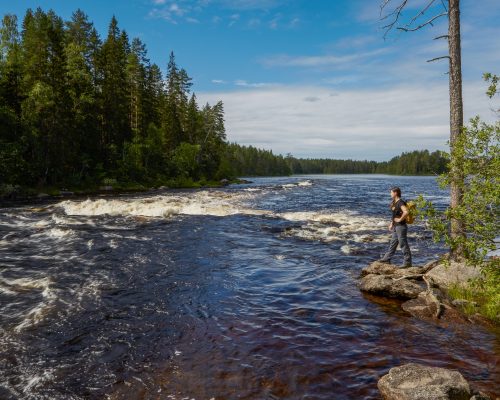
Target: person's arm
(403, 216)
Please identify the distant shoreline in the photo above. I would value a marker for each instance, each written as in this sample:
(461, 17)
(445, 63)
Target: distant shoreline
(27, 196)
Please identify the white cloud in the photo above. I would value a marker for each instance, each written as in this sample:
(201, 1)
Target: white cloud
(311, 99)
(218, 81)
(320, 60)
(241, 82)
(251, 4)
(273, 24)
(254, 22)
(294, 22)
(170, 11)
(233, 19)
(361, 124)
(175, 11)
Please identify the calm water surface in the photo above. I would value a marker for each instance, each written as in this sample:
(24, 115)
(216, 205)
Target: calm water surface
(247, 292)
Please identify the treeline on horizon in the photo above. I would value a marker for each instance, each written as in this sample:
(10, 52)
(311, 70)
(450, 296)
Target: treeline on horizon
(250, 161)
(78, 110)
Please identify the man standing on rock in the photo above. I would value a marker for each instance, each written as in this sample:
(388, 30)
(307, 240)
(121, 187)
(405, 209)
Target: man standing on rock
(399, 229)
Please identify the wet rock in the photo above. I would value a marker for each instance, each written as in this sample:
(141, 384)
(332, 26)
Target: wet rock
(106, 187)
(383, 285)
(66, 193)
(42, 195)
(420, 382)
(379, 268)
(224, 182)
(455, 273)
(426, 306)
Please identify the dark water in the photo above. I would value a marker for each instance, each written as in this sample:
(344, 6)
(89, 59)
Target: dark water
(247, 292)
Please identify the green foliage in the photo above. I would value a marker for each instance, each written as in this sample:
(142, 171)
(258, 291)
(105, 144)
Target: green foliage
(493, 80)
(185, 159)
(482, 295)
(419, 162)
(75, 109)
(475, 156)
(250, 161)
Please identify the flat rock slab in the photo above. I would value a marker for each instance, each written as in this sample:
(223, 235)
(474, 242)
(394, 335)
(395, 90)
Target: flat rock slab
(420, 382)
(380, 268)
(446, 275)
(387, 286)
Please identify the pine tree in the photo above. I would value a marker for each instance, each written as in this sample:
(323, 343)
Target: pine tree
(11, 147)
(80, 53)
(114, 102)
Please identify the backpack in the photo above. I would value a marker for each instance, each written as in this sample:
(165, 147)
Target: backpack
(412, 212)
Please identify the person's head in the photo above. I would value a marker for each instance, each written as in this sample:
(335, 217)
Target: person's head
(395, 192)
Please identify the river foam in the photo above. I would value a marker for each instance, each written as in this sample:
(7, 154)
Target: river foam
(214, 203)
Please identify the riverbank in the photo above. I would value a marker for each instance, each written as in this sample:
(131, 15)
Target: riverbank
(14, 194)
(453, 291)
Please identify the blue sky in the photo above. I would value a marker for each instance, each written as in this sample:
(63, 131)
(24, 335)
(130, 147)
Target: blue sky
(314, 78)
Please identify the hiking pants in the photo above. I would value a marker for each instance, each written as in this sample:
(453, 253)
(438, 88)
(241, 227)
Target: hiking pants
(399, 233)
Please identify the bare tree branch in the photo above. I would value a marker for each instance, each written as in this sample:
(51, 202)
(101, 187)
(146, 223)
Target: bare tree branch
(396, 13)
(438, 58)
(441, 37)
(408, 277)
(394, 16)
(429, 22)
(422, 12)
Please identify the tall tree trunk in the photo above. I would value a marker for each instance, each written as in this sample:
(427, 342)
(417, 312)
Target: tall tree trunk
(456, 114)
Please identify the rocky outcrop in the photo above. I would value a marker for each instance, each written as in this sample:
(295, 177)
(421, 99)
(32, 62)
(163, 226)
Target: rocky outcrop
(420, 382)
(450, 274)
(380, 268)
(388, 286)
(391, 281)
(423, 301)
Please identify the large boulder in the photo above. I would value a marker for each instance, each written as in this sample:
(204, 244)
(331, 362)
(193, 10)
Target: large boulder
(383, 285)
(420, 382)
(451, 274)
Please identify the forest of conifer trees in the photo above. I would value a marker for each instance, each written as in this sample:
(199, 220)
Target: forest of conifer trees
(77, 109)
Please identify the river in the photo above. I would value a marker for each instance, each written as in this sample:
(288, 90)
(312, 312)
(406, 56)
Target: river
(244, 292)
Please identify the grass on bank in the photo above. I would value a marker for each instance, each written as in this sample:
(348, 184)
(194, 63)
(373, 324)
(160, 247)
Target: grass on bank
(482, 295)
